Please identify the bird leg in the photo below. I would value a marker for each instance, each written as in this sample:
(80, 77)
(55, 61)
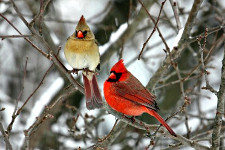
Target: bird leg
(130, 118)
(75, 71)
(88, 70)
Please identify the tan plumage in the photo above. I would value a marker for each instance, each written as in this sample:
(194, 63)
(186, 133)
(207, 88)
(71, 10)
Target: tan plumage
(82, 52)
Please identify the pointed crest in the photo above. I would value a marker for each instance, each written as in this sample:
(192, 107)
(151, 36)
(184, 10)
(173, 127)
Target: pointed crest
(82, 25)
(82, 20)
(119, 67)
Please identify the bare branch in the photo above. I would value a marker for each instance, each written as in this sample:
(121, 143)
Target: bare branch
(14, 36)
(26, 101)
(46, 115)
(173, 3)
(208, 86)
(154, 29)
(32, 44)
(181, 45)
(127, 35)
(9, 128)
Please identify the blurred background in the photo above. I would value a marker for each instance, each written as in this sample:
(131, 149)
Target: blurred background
(121, 27)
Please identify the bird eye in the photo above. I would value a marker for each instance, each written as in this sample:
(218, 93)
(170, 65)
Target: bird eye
(76, 33)
(85, 32)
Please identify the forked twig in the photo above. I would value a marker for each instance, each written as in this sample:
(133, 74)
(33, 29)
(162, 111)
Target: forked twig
(154, 29)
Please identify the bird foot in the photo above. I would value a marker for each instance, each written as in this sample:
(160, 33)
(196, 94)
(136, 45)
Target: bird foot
(87, 70)
(75, 71)
(130, 118)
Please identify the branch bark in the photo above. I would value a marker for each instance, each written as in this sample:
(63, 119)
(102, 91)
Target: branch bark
(219, 110)
(6, 138)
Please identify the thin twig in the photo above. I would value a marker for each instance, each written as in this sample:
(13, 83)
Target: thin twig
(39, 16)
(208, 86)
(32, 44)
(32, 128)
(127, 35)
(175, 65)
(39, 85)
(46, 115)
(181, 45)
(103, 139)
(14, 36)
(19, 13)
(173, 3)
(20, 95)
(26, 101)
(9, 128)
(31, 28)
(154, 29)
(114, 133)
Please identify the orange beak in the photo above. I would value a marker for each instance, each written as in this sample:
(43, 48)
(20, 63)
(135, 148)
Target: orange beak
(112, 76)
(80, 34)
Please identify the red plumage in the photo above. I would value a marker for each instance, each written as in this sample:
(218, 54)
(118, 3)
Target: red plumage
(125, 94)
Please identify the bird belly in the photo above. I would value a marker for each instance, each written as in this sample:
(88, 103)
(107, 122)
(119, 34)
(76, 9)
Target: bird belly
(125, 106)
(78, 61)
(80, 56)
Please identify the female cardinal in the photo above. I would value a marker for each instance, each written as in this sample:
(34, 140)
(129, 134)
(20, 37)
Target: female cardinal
(82, 53)
(125, 94)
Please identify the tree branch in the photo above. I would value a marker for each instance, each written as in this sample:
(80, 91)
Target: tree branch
(176, 51)
(219, 110)
(6, 138)
(127, 35)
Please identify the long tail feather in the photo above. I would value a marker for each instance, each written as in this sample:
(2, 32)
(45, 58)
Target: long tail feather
(160, 119)
(87, 89)
(96, 93)
(92, 92)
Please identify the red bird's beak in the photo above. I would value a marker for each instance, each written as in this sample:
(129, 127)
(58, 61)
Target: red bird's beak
(80, 34)
(112, 76)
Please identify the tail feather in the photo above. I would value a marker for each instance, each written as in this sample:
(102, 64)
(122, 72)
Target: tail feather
(92, 92)
(96, 93)
(88, 93)
(160, 119)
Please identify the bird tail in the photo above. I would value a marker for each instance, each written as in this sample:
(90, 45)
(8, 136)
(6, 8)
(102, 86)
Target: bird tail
(92, 92)
(160, 119)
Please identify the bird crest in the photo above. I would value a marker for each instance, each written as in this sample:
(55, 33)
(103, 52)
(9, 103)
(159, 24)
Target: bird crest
(119, 67)
(82, 25)
(82, 20)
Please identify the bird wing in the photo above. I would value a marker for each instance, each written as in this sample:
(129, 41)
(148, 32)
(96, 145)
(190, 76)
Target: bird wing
(134, 91)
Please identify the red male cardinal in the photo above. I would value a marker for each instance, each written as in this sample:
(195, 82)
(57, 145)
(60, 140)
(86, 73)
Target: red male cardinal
(125, 94)
(82, 53)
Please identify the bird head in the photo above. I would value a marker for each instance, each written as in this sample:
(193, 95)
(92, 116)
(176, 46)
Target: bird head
(83, 31)
(118, 72)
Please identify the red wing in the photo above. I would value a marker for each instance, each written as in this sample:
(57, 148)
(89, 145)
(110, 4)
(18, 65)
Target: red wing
(134, 91)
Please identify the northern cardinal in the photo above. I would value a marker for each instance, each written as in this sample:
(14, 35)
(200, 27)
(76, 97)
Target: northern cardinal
(82, 53)
(125, 94)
